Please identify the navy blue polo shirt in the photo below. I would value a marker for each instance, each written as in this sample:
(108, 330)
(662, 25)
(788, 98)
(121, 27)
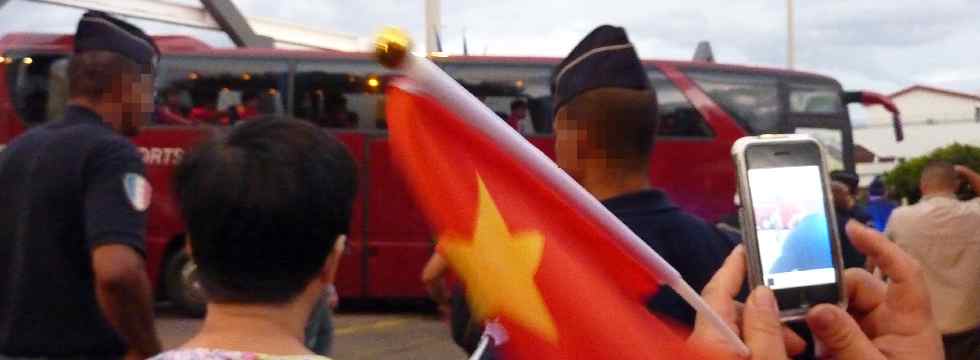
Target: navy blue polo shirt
(66, 188)
(689, 244)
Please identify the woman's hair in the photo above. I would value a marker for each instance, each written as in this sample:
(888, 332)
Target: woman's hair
(264, 205)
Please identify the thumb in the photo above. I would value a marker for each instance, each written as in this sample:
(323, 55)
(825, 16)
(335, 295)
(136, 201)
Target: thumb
(840, 334)
(761, 327)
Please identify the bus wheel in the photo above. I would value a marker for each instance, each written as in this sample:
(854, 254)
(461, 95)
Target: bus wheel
(181, 285)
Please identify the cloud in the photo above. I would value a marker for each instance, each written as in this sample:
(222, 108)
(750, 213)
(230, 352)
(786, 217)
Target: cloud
(876, 45)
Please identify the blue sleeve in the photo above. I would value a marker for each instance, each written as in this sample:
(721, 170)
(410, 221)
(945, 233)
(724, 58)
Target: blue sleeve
(117, 195)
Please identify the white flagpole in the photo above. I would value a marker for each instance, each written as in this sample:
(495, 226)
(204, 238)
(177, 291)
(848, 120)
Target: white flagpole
(481, 348)
(435, 83)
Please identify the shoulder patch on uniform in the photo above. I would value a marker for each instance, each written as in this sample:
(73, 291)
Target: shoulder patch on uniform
(138, 191)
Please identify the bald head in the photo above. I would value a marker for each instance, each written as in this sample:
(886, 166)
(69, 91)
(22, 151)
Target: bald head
(939, 177)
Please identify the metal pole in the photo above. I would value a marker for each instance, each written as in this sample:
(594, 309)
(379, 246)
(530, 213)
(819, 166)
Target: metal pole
(790, 36)
(433, 23)
(231, 20)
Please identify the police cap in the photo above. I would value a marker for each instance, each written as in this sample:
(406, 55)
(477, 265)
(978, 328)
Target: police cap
(604, 58)
(97, 31)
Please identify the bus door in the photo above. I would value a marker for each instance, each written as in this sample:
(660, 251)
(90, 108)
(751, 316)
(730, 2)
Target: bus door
(36, 90)
(690, 156)
(389, 241)
(815, 107)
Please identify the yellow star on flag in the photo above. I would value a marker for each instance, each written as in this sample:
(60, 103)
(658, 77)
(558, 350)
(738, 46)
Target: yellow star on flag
(498, 269)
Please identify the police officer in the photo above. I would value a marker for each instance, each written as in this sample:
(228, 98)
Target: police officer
(605, 119)
(73, 203)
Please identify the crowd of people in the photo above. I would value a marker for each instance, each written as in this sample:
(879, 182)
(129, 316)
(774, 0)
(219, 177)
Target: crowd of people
(267, 205)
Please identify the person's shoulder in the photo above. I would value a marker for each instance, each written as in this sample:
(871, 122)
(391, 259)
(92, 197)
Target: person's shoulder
(905, 210)
(110, 144)
(682, 219)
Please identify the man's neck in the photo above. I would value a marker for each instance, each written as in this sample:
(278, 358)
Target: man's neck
(935, 194)
(615, 183)
(93, 107)
(267, 329)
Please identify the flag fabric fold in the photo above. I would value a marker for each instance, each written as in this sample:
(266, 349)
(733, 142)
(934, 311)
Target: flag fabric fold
(528, 257)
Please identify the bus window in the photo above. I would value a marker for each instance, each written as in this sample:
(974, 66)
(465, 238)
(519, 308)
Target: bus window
(342, 94)
(753, 100)
(815, 99)
(38, 85)
(199, 90)
(833, 142)
(678, 118)
(519, 93)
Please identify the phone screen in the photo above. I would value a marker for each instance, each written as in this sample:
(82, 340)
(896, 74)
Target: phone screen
(792, 226)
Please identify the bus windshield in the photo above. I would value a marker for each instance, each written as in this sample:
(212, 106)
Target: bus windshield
(753, 100)
(763, 103)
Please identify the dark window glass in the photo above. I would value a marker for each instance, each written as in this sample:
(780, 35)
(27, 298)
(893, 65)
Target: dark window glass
(678, 117)
(523, 87)
(345, 94)
(217, 91)
(38, 86)
(753, 100)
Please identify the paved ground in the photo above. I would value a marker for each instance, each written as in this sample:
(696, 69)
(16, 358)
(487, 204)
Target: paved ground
(360, 335)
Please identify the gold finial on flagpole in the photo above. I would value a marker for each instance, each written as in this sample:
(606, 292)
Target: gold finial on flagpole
(392, 46)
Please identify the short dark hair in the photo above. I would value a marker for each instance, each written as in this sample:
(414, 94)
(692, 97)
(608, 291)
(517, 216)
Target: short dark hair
(517, 104)
(849, 179)
(620, 121)
(91, 74)
(264, 205)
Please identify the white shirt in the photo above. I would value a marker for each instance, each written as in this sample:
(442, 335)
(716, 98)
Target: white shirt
(943, 234)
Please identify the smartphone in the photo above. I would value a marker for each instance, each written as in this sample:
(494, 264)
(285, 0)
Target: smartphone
(788, 221)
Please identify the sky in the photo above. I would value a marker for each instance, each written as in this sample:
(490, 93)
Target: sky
(876, 45)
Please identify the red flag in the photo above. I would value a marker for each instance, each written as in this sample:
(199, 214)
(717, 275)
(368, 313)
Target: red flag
(527, 255)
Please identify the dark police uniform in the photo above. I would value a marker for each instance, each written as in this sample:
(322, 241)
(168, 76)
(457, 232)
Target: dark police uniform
(692, 246)
(66, 188)
(606, 59)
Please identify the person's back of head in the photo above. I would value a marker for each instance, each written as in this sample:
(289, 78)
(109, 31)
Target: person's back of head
(264, 205)
(939, 177)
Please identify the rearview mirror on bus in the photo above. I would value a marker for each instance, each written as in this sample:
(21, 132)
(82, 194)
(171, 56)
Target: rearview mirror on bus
(868, 98)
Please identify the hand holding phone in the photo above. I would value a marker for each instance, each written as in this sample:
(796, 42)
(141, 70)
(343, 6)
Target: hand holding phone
(788, 221)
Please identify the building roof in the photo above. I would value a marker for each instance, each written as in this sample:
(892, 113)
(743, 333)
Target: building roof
(935, 90)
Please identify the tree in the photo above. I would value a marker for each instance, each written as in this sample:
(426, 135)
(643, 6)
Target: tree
(903, 180)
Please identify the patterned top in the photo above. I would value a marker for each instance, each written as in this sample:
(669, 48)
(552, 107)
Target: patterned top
(217, 354)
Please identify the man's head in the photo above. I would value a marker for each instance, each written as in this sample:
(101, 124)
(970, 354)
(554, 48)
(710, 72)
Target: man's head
(112, 71)
(605, 130)
(518, 109)
(939, 177)
(843, 200)
(605, 110)
(849, 179)
(877, 188)
(264, 205)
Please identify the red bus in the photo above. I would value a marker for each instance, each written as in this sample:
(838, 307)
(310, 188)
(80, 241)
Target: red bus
(704, 108)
